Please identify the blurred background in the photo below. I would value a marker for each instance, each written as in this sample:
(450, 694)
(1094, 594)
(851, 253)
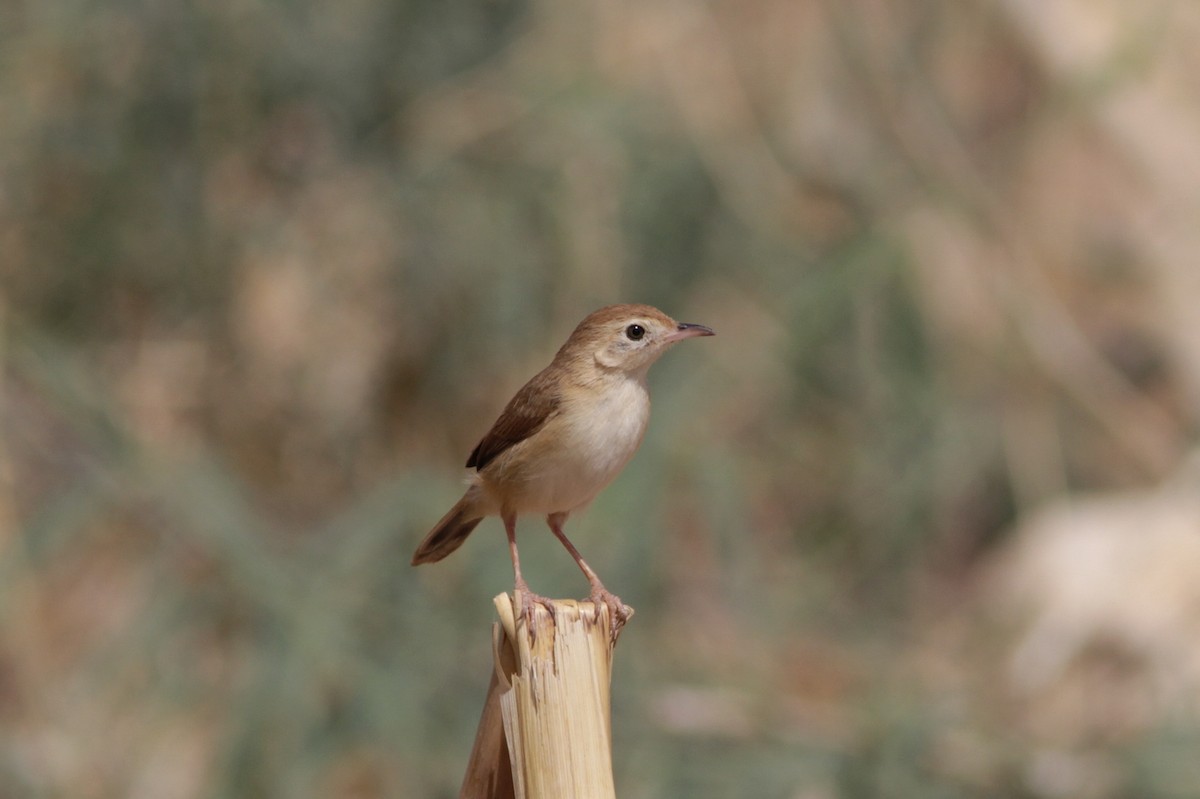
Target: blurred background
(922, 521)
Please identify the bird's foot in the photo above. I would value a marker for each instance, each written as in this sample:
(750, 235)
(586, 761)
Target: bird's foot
(526, 602)
(618, 611)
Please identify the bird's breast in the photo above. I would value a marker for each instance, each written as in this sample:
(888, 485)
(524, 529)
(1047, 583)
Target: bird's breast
(577, 454)
(605, 427)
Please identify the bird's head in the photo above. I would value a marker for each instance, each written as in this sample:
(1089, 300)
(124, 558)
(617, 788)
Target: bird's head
(627, 338)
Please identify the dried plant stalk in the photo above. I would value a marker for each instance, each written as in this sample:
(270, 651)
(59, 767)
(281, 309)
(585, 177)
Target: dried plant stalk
(551, 683)
(489, 775)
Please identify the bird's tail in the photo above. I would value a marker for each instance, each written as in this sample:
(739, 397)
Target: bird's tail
(448, 534)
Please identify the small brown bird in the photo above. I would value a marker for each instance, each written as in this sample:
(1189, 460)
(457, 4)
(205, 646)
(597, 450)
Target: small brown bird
(564, 436)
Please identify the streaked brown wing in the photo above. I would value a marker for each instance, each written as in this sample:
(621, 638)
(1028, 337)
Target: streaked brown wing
(525, 414)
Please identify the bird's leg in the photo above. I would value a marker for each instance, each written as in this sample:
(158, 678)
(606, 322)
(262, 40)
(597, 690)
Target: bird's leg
(618, 611)
(526, 599)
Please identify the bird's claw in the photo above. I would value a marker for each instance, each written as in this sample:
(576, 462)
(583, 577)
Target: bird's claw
(527, 602)
(618, 611)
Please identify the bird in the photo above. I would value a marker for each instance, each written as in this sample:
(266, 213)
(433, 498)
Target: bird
(563, 437)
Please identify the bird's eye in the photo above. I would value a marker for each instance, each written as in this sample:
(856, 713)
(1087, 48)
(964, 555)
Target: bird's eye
(635, 332)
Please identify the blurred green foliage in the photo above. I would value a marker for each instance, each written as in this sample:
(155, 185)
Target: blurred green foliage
(271, 268)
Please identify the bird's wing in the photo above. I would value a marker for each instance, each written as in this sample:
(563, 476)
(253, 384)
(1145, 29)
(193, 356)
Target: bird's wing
(526, 413)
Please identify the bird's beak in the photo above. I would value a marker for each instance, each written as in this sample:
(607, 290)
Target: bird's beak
(688, 330)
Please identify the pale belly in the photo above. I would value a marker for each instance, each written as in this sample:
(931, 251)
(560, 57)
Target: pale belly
(566, 464)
